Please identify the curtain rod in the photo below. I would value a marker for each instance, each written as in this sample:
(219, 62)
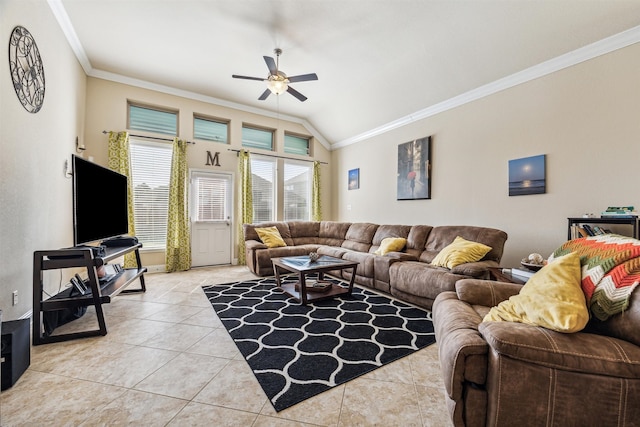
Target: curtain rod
(279, 157)
(152, 137)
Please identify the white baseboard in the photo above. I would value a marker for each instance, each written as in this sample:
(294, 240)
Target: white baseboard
(158, 268)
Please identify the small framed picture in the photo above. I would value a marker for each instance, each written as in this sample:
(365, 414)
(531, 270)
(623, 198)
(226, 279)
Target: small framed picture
(527, 176)
(354, 179)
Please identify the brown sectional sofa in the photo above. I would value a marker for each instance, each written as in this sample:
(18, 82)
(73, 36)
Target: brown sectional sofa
(515, 374)
(407, 275)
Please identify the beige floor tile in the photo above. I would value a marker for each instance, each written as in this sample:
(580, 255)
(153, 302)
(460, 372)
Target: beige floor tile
(184, 376)
(235, 387)
(127, 370)
(218, 343)
(44, 399)
(178, 337)
(205, 317)
(198, 414)
(175, 313)
(371, 402)
(433, 407)
(264, 421)
(137, 408)
(135, 331)
(322, 409)
(398, 371)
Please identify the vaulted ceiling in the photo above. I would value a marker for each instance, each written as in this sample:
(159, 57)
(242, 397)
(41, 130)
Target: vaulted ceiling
(380, 63)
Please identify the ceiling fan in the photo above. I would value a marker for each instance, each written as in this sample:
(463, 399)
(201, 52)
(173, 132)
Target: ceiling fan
(277, 81)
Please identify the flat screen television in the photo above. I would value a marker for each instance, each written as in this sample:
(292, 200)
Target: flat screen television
(99, 202)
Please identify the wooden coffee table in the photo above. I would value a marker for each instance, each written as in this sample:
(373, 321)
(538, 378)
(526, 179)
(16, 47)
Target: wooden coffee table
(303, 266)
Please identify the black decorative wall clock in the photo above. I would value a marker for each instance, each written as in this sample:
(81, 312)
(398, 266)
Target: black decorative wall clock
(27, 71)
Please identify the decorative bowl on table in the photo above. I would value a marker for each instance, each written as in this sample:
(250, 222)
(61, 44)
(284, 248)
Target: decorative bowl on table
(313, 256)
(533, 262)
(530, 266)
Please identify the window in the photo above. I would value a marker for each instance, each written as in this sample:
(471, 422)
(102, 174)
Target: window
(150, 174)
(211, 201)
(297, 191)
(257, 138)
(263, 178)
(295, 188)
(153, 120)
(296, 145)
(210, 130)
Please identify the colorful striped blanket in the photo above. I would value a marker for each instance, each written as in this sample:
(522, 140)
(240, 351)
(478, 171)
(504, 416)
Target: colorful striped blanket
(610, 270)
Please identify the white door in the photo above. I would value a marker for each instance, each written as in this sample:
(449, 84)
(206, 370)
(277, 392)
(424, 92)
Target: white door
(211, 225)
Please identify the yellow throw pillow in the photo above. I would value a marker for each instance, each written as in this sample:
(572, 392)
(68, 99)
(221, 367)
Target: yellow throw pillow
(551, 298)
(459, 252)
(391, 244)
(271, 237)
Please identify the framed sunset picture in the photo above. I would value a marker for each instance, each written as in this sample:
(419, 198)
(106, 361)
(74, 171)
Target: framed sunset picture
(527, 176)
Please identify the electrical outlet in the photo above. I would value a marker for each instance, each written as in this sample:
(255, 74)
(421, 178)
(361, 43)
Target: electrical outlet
(15, 297)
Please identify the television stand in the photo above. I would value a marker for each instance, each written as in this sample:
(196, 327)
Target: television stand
(98, 292)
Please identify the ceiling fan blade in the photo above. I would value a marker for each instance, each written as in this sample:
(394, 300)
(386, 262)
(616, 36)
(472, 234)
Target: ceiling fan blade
(303, 78)
(235, 76)
(297, 94)
(264, 95)
(271, 65)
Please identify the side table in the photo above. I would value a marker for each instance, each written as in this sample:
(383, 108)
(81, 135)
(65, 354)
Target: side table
(502, 274)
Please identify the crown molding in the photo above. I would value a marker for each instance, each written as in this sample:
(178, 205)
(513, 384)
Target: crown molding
(62, 17)
(593, 50)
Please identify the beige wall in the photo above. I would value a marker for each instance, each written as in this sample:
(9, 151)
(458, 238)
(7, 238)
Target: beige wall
(106, 109)
(584, 118)
(35, 195)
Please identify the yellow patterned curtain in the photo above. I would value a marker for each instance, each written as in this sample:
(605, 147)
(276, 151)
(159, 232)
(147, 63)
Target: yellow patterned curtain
(120, 162)
(246, 201)
(316, 205)
(178, 253)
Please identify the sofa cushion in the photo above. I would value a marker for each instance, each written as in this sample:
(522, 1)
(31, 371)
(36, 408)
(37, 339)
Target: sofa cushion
(270, 236)
(304, 232)
(332, 233)
(551, 298)
(385, 231)
(459, 252)
(359, 236)
(417, 239)
(391, 244)
(441, 236)
(283, 228)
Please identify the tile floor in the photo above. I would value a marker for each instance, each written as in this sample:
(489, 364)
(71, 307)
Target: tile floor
(168, 361)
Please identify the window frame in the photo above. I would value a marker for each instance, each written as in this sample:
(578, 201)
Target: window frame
(153, 108)
(272, 132)
(307, 138)
(224, 122)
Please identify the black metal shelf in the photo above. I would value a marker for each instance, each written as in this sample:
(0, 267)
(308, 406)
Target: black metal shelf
(98, 292)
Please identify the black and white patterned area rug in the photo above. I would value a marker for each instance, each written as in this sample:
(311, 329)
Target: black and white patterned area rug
(297, 351)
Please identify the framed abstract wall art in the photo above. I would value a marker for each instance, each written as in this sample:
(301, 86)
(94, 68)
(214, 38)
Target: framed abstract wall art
(354, 179)
(527, 176)
(414, 169)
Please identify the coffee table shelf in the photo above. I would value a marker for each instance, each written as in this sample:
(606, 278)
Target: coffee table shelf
(303, 266)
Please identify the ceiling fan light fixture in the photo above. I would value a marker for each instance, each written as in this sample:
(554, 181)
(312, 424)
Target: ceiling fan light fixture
(277, 84)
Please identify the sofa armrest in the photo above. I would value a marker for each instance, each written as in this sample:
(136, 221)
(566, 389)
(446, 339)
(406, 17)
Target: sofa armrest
(488, 293)
(477, 269)
(578, 352)
(254, 244)
(462, 350)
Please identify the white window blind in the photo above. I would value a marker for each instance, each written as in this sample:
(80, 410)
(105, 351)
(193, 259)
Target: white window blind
(257, 138)
(210, 130)
(210, 202)
(150, 170)
(296, 145)
(150, 120)
(263, 177)
(297, 191)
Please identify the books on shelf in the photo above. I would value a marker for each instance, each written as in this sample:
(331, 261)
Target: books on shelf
(619, 212)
